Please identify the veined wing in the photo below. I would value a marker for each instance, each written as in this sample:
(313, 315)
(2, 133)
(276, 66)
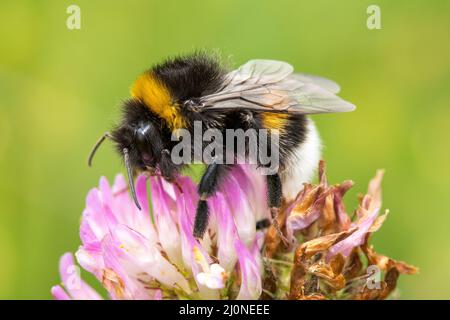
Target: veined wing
(271, 86)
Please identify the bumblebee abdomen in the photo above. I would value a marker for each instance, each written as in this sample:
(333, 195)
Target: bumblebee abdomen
(275, 121)
(289, 126)
(291, 129)
(301, 160)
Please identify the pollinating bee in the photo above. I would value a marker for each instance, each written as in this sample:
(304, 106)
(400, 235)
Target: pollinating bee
(259, 95)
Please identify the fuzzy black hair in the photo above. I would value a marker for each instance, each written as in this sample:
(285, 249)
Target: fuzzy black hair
(191, 76)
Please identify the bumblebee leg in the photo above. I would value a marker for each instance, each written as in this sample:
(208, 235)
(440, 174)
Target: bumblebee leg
(166, 166)
(207, 187)
(274, 196)
(274, 191)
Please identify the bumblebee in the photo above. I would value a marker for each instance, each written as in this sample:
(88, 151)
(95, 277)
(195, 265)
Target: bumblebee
(261, 94)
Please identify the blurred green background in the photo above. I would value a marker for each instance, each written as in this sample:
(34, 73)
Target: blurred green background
(60, 89)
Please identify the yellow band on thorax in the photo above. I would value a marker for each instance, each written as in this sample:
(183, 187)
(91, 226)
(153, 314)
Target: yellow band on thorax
(157, 98)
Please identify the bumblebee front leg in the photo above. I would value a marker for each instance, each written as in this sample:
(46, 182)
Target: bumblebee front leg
(166, 166)
(207, 187)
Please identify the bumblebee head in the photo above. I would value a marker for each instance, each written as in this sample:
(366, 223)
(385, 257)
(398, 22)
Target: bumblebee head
(140, 135)
(138, 139)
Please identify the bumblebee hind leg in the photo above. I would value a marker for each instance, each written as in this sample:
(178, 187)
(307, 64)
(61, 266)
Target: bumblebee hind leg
(274, 192)
(274, 196)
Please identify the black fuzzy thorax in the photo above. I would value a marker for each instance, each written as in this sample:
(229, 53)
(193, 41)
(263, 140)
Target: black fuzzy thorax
(190, 77)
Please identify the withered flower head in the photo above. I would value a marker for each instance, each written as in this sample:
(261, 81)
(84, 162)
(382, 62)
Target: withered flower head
(328, 255)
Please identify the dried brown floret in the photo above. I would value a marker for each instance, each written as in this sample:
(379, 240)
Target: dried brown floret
(332, 257)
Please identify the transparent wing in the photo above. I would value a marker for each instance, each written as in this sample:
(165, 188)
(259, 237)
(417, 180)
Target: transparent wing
(327, 84)
(259, 72)
(268, 85)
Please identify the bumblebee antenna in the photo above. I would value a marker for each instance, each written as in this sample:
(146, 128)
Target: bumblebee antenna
(130, 177)
(97, 145)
